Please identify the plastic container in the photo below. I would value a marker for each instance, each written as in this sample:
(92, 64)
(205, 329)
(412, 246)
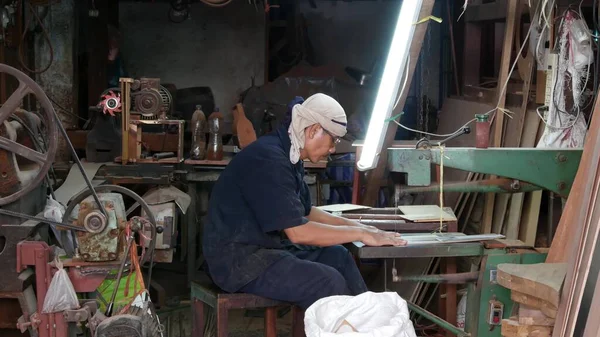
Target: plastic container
(198, 128)
(215, 143)
(482, 131)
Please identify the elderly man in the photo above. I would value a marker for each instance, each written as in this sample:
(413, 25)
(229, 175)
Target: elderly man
(262, 195)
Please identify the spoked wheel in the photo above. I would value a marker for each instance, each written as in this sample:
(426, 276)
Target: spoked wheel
(8, 138)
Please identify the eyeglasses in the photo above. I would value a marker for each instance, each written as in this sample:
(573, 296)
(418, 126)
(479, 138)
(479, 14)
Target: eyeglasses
(336, 140)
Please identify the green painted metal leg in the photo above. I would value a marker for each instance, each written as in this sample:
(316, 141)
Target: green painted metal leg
(437, 320)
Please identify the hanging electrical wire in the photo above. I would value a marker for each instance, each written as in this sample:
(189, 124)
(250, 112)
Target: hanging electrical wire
(45, 34)
(216, 3)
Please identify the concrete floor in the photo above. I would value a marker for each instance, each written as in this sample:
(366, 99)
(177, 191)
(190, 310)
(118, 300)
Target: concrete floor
(177, 320)
(179, 324)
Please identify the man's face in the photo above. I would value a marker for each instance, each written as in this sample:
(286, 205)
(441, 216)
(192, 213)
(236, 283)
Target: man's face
(318, 143)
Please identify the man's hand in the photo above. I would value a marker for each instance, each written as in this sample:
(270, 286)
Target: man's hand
(376, 238)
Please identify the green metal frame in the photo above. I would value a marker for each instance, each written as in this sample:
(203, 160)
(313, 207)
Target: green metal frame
(550, 169)
(479, 295)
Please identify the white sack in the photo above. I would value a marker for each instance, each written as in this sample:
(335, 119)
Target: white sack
(369, 314)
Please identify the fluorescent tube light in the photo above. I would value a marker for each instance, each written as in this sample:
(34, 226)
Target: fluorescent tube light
(393, 75)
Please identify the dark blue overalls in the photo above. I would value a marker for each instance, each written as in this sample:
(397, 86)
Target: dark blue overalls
(257, 196)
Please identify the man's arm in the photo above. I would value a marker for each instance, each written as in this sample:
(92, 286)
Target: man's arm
(319, 215)
(323, 235)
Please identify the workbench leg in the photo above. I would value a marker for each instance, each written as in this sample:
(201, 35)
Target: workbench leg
(297, 322)
(450, 291)
(198, 322)
(271, 322)
(192, 232)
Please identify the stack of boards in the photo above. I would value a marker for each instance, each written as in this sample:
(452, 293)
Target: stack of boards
(536, 289)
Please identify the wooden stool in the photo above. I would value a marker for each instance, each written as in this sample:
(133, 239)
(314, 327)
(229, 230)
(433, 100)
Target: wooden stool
(207, 293)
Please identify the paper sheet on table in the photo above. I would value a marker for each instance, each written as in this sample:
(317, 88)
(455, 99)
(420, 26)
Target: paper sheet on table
(342, 207)
(421, 213)
(75, 182)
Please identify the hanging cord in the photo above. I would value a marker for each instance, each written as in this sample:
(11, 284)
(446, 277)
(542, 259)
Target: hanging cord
(497, 108)
(46, 37)
(216, 3)
(441, 194)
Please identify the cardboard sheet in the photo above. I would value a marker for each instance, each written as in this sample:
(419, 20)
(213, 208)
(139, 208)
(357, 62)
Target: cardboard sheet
(425, 213)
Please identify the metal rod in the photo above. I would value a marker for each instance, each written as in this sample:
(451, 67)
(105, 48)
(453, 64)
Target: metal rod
(34, 218)
(437, 320)
(499, 185)
(459, 278)
(550, 223)
(78, 162)
(109, 308)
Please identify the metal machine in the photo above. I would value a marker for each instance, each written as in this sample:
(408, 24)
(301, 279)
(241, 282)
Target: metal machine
(521, 169)
(143, 106)
(95, 219)
(148, 103)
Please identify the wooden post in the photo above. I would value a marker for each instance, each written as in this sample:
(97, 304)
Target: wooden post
(505, 63)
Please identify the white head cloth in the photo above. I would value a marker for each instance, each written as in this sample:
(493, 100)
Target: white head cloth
(317, 109)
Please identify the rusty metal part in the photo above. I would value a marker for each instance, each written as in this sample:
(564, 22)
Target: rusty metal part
(12, 234)
(43, 160)
(94, 222)
(119, 189)
(99, 243)
(38, 254)
(148, 102)
(83, 314)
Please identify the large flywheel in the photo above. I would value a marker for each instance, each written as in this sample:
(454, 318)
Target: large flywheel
(10, 148)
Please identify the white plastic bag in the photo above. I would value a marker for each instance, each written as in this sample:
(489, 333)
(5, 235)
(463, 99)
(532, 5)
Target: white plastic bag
(54, 210)
(61, 295)
(366, 315)
(461, 312)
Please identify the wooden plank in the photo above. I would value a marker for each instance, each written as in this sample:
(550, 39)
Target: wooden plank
(532, 316)
(499, 212)
(534, 302)
(505, 62)
(530, 217)
(592, 326)
(513, 218)
(160, 142)
(512, 328)
(541, 280)
(570, 229)
(372, 188)
(531, 201)
(577, 233)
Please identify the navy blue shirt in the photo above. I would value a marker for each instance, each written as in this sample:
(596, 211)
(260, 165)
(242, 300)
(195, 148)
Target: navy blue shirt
(258, 195)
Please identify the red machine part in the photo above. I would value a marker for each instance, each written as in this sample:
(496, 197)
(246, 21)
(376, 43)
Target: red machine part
(111, 103)
(38, 255)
